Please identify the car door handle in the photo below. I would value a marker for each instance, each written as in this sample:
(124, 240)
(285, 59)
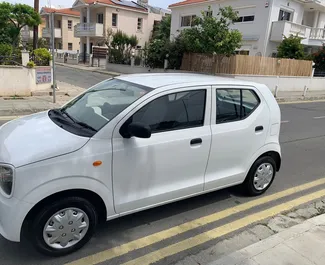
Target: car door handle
(259, 128)
(196, 141)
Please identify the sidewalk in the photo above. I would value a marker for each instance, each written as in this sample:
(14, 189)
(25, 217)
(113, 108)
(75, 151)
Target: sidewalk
(302, 244)
(16, 106)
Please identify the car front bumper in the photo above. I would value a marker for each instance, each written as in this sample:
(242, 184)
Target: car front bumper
(12, 215)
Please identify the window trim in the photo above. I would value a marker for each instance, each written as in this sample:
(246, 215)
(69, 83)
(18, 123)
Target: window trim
(243, 17)
(97, 16)
(152, 95)
(70, 28)
(71, 46)
(189, 15)
(251, 89)
(140, 29)
(116, 22)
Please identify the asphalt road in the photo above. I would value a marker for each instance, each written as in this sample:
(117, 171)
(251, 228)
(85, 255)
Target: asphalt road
(303, 146)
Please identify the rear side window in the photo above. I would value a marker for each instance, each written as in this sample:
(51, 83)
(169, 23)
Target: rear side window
(173, 112)
(235, 104)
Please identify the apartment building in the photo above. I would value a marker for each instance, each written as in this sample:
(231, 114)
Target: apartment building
(64, 21)
(263, 23)
(97, 16)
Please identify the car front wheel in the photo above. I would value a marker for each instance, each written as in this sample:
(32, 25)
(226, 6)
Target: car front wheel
(260, 176)
(64, 226)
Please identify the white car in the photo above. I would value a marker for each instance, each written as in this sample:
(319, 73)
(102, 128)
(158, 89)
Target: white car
(128, 144)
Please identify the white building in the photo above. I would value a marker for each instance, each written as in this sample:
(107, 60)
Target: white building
(97, 16)
(262, 22)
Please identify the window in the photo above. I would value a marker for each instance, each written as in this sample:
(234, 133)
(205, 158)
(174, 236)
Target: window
(69, 24)
(100, 18)
(235, 104)
(173, 112)
(208, 13)
(284, 15)
(242, 52)
(114, 20)
(245, 19)
(187, 21)
(70, 46)
(59, 24)
(140, 22)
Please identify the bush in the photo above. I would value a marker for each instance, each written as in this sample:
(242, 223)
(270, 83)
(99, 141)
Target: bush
(319, 59)
(5, 49)
(42, 57)
(30, 64)
(291, 48)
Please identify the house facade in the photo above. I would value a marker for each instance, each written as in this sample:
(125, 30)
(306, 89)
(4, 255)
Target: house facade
(98, 16)
(64, 21)
(263, 23)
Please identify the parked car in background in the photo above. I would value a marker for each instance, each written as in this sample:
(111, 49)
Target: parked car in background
(128, 144)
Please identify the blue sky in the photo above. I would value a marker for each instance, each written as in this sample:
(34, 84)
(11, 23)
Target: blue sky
(68, 3)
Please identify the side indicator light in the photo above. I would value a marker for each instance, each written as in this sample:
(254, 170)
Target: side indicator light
(97, 163)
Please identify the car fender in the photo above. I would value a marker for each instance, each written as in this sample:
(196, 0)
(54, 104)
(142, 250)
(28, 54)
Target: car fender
(67, 183)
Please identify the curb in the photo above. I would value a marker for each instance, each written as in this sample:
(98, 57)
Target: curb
(244, 255)
(90, 70)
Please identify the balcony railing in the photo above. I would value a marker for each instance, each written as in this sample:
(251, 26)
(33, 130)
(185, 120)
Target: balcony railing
(89, 30)
(46, 33)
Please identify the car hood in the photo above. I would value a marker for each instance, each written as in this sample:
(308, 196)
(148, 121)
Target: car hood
(34, 138)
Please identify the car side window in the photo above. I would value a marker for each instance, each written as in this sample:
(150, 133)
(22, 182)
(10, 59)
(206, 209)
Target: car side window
(235, 104)
(173, 112)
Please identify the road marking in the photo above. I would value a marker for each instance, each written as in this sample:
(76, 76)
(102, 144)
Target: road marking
(320, 117)
(285, 121)
(301, 102)
(223, 230)
(8, 118)
(174, 231)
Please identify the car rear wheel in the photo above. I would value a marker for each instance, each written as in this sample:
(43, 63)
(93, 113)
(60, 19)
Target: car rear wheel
(64, 226)
(260, 176)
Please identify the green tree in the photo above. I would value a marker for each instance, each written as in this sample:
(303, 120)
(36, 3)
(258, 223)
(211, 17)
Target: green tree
(291, 48)
(319, 59)
(13, 17)
(213, 34)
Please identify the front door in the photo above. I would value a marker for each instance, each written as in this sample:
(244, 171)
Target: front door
(239, 124)
(170, 164)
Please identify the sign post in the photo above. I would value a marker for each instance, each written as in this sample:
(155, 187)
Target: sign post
(53, 58)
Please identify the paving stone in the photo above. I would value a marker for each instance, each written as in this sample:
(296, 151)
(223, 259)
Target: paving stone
(281, 255)
(262, 231)
(307, 212)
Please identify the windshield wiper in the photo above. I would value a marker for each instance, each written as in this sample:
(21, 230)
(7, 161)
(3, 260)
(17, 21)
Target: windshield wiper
(85, 125)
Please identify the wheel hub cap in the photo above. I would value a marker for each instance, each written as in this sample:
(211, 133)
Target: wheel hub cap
(66, 228)
(263, 176)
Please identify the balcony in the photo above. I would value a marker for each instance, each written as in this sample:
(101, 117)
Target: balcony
(46, 33)
(286, 28)
(88, 30)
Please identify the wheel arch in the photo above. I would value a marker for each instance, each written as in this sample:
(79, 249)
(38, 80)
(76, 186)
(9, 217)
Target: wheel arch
(91, 196)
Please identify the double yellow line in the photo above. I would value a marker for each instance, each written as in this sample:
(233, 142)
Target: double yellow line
(206, 236)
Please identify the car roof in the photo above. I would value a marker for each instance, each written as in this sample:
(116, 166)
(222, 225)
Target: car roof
(187, 79)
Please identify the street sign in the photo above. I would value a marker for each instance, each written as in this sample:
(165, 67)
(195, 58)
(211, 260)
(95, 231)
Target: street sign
(43, 75)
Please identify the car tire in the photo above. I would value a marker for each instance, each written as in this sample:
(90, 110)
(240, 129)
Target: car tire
(263, 170)
(59, 220)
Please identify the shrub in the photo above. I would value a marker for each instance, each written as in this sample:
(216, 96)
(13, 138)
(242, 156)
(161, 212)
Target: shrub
(319, 59)
(5, 49)
(42, 56)
(30, 64)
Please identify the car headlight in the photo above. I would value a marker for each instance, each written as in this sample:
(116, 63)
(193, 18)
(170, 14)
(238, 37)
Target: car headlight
(6, 179)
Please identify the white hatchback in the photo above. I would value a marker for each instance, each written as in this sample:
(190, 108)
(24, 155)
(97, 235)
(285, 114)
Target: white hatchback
(128, 144)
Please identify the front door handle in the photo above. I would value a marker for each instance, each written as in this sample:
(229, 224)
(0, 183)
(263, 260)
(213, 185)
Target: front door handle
(259, 128)
(196, 141)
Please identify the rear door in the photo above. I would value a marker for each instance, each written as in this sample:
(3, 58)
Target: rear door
(240, 121)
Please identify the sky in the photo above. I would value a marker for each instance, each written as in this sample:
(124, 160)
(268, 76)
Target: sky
(68, 3)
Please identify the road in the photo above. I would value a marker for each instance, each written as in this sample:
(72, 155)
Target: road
(303, 146)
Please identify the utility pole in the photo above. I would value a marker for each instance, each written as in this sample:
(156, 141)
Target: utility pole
(35, 32)
(53, 57)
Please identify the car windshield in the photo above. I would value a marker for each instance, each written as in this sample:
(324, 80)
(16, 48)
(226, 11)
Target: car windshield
(101, 103)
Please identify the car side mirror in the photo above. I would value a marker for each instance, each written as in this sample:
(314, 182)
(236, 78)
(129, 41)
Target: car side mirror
(139, 130)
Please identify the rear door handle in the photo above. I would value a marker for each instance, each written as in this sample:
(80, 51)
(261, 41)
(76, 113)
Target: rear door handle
(259, 128)
(196, 141)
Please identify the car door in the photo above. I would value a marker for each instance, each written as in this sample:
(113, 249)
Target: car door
(171, 163)
(239, 123)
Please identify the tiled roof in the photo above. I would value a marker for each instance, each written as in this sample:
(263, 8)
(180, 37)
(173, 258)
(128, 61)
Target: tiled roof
(115, 3)
(187, 2)
(65, 11)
